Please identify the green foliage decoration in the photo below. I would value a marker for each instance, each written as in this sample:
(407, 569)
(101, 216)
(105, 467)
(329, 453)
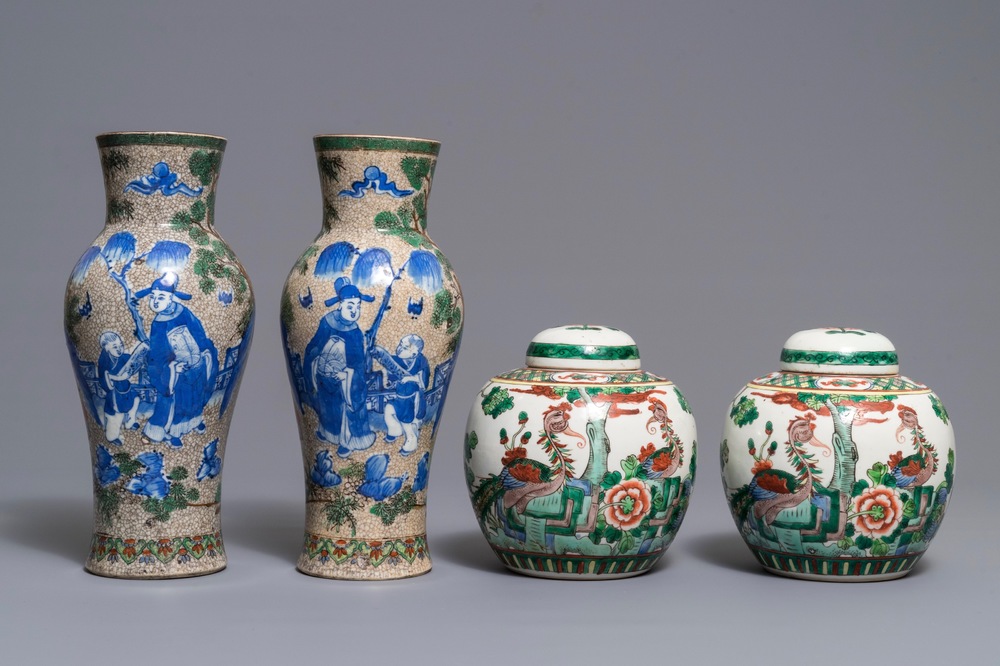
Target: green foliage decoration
(330, 166)
(72, 318)
(939, 409)
(113, 161)
(119, 210)
(402, 502)
(497, 401)
(204, 164)
(340, 510)
(287, 311)
(471, 442)
(744, 412)
(682, 400)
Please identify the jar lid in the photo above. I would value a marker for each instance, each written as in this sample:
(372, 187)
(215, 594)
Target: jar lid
(840, 351)
(583, 347)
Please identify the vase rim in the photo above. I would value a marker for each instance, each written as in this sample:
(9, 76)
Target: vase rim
(375, 142)
(168, 138)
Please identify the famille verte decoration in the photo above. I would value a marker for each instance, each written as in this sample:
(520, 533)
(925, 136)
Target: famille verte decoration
(159, 318)
(580, 465)
(836, 467)
(368, 363)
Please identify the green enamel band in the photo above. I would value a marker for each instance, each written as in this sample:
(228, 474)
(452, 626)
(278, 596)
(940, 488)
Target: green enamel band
(160, 139)
(587, 352)
(837, 358)
(384, 143)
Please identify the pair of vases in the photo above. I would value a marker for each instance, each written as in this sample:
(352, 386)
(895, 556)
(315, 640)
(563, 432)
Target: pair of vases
(159, 318)
(579, 465)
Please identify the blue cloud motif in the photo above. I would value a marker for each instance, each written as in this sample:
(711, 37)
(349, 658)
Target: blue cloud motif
(423, 465)
(152, 482)
(211, 463)
(322, 473)
(106, 471)
(377, 485)
(161, 179)
(374, 180)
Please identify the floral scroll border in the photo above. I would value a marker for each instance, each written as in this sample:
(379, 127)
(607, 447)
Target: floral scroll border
(185, 550)
(365, 552)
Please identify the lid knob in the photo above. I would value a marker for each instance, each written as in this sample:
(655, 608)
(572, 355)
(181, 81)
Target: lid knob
(583, 347)
(840, 351)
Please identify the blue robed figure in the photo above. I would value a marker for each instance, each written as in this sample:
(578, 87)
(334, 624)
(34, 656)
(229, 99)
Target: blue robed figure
(182, 364)
(334, 367)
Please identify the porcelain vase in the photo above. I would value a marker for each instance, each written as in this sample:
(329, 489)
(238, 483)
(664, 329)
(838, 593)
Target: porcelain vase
(580, 465)
(371, 319)
(158, 320)
(836, 467)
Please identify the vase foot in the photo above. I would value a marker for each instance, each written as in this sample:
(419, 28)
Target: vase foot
(575, 566)
(836, 569)
(156, 558)
(388, 558)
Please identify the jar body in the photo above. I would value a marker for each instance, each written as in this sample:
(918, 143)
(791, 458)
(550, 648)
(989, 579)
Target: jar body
(580, 475)
(371, 320)
(842, 477)
(158, 320)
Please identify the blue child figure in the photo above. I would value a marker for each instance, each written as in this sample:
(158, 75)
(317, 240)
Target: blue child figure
(114, 369)
(334, 366)
(408, 371)
(182, 364)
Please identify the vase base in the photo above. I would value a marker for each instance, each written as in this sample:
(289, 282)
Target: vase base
(390, 558)
(574, 566)
(156, 558)
(569, 576)
(836, 569)
(837, 579)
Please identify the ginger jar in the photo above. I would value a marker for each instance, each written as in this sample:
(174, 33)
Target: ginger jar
(580, 465)
(836, 467)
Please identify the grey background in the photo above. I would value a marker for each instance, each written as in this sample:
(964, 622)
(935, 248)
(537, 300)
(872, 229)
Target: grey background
(710, 177)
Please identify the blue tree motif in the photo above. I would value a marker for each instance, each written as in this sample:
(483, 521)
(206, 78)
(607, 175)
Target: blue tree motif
(211, 463)
(334, 260)
(118, 258)
(106, 471)
(423, 469)
(322, 472)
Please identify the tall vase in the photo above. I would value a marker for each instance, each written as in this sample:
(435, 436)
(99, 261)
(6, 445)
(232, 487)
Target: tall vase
(158, 319)
(371, 319)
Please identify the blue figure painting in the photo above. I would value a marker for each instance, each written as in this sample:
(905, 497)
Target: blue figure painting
(153, 481)
(408, 372)
(377, 181)
(334, 367)
(322, 472)
(162, 180)
(114, 370)
(182, 363)
(211, 463)
(377, 485)
(105, 470)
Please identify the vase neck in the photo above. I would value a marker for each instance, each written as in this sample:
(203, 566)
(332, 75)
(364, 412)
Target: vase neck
(160, 178)
(376, 181)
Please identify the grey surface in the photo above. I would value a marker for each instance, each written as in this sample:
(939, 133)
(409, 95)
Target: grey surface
(710, 177)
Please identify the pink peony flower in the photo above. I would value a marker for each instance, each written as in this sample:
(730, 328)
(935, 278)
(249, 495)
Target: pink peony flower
(628, 503)
(878, 511)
